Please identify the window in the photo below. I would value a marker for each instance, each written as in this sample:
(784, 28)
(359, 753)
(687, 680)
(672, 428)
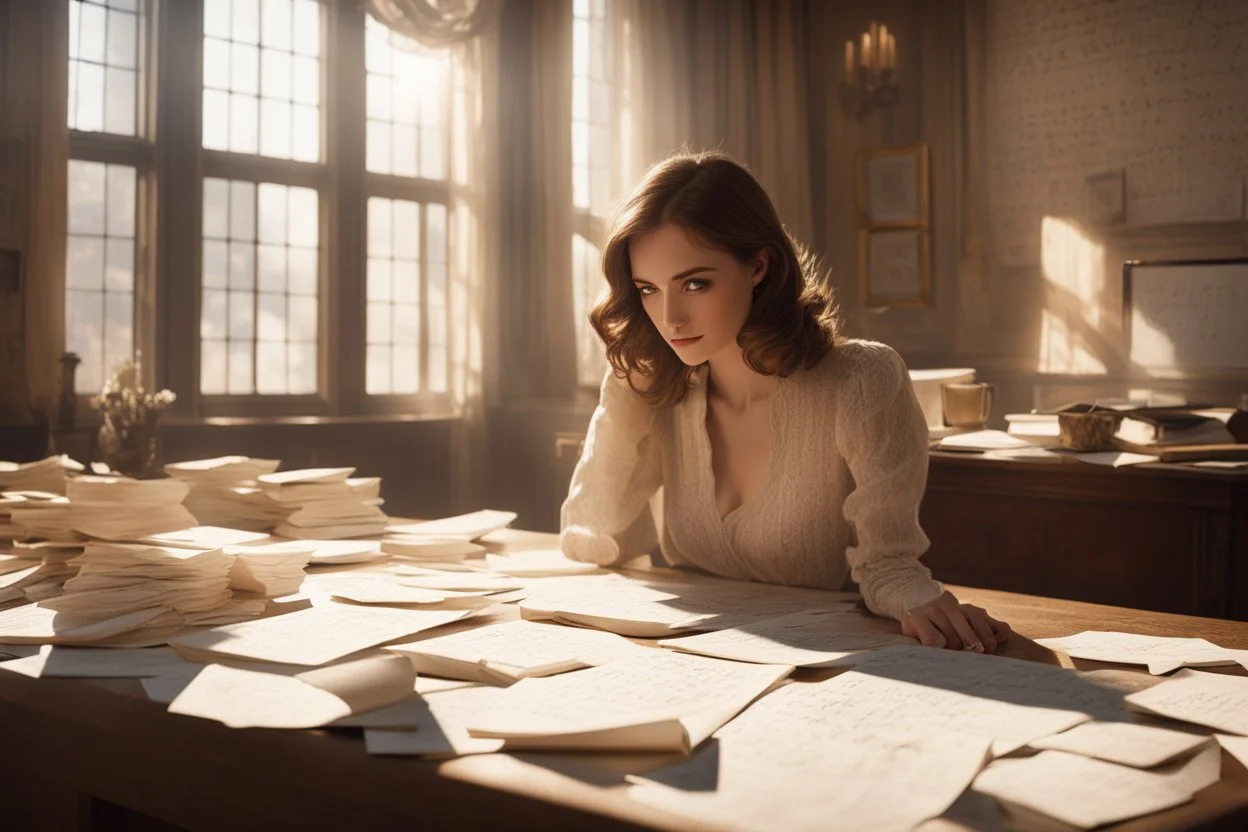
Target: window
(281, 121)
(109, 164)
(408, 314)
(593, 102)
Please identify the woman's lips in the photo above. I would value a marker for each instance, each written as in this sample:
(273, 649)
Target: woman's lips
(684, 342)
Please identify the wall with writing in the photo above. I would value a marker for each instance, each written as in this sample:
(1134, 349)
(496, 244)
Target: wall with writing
(1188, 318)
(1155, 88)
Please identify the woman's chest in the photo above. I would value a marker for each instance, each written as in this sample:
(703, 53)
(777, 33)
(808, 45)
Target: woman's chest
(741, 449)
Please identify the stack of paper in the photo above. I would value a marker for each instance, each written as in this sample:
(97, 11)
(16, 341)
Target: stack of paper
(224, 492)
(115, 579)
(41, 516)
(45, 475)
(117, 508)
(35, 580)
(537, 563)
(1215, 700)
(10, 528)
(449, 539)
(502, 654)
(507, 540)
(658, 702)
(271, 569)
(326, 503)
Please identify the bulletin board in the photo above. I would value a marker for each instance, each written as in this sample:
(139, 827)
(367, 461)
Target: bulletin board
(1187, 318)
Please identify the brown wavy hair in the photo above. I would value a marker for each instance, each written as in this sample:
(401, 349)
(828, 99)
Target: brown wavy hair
(792, 323)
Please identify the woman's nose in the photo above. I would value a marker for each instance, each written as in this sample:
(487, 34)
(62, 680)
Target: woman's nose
(674, 314)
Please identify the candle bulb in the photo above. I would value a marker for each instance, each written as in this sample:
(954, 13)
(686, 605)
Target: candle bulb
(865, 57)
(882, 45)
(892, 53)
(849, 62)
(874, 31)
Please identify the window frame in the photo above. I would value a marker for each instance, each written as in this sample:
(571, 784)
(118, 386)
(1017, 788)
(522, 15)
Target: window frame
(171, 165)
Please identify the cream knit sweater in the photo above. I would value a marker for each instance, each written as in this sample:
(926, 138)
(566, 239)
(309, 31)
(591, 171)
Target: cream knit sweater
(848, 469)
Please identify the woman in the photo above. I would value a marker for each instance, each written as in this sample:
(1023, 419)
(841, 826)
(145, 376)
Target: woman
(787, 454)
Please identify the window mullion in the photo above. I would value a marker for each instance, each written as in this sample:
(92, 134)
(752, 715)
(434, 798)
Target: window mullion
(347, 209)
(178, 202)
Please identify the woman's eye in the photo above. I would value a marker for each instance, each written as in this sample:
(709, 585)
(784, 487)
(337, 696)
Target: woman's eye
(646, 290)
(696, 285)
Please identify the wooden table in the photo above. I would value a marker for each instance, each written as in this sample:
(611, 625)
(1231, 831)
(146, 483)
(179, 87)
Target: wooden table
(81, 755)
(1169, 538)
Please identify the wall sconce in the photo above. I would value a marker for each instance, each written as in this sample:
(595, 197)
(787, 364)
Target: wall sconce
(870, 76)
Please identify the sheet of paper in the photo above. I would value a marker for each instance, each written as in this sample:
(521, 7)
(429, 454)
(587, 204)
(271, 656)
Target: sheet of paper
(1237, 747)
(805, 639)
(762, 769)
(537, 563)
(1125, 743)
(1162, 654)
(699, 693)
(35, 624)
(241, 698)
(467, 526)
(440, 730)
(1007, 701)
(982, 440)
(313, 636)
(11, 563)
(659, 605)
(1080, 791)
(517, 649)
(1116, 459)
(463, 582)
(53, 662)
(1215, 700)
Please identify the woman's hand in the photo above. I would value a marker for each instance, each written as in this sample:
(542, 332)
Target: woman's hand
(945, 622)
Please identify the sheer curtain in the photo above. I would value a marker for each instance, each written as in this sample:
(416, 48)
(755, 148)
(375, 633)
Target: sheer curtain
(471, 31)
(728, 74)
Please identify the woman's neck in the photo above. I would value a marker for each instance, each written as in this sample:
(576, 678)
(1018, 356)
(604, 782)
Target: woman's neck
(735, 383)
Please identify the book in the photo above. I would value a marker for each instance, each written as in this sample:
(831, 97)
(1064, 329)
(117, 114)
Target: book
(1177, 427)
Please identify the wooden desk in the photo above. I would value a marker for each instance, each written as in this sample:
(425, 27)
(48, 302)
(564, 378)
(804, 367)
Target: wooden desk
(1166, 538)
(84, 755)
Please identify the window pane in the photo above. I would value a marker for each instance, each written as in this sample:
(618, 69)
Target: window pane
(275, 24)
(307, 27)
(256, 53)
(103, 61)
(407, 90)
(99, 267)
(394, 294)
(266, 323)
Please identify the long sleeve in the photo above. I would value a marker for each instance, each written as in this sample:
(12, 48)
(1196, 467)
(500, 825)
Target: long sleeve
(882, 435)
(606, 517)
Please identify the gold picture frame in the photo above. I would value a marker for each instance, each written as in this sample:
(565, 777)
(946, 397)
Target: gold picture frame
(894, 221)
(895, 267)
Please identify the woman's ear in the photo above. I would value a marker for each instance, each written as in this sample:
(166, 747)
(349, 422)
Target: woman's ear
(761, 261)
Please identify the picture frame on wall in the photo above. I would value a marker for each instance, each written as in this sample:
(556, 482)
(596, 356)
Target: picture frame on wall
(894, 267)
(893, 186)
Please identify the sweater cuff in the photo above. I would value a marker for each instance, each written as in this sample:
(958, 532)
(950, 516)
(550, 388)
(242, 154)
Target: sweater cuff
(900, 599)
(581, 544)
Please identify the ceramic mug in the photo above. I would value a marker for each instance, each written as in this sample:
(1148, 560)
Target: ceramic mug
(966, 405)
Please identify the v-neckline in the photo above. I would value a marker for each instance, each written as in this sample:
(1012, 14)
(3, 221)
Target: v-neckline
(704, 436)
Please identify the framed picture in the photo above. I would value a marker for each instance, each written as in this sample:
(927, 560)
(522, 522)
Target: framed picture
(893, 187)
(894, 267)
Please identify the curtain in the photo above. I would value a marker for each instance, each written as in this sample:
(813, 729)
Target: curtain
(436, 23)
(728, 74)
(33, 219)
(474, 211)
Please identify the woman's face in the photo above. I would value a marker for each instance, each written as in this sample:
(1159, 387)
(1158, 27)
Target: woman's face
(698, 297)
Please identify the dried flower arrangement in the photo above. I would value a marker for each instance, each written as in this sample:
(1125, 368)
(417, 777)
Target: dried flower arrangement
(130, 420)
